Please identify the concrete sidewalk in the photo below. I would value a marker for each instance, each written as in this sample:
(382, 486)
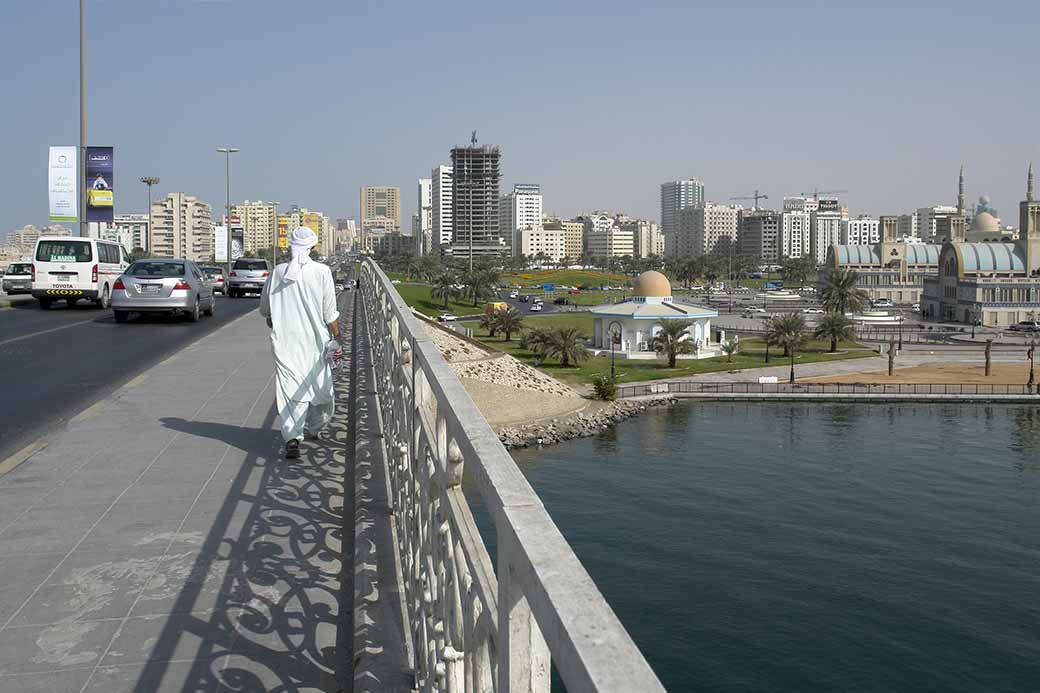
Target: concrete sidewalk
(160, 543)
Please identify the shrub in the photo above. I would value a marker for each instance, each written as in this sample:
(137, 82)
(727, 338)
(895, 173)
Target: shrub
(604, 387)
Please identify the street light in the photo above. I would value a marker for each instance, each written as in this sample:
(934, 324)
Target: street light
(149, 181)
(614, 338)
(82, 123)
(1032, 352)
(274, 236)
(227, 152)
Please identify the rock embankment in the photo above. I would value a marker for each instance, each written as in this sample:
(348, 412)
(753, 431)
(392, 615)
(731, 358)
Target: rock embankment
(580, 425)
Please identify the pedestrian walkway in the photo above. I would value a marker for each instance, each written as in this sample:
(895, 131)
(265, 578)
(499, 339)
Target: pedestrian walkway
(160, 542)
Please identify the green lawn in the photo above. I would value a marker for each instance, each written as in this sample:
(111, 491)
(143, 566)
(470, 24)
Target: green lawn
(418, 297)
(751, 355)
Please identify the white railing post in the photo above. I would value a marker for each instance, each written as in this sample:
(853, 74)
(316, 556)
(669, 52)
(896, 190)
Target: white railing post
(523, 655)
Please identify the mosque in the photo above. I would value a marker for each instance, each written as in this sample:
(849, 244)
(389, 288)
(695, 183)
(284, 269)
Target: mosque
(989, 278)
(635, 322)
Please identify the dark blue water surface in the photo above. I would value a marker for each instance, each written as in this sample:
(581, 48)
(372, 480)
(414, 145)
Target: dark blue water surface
(777, 546)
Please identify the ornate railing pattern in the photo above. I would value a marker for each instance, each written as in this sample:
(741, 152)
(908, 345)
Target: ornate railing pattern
(475, 628)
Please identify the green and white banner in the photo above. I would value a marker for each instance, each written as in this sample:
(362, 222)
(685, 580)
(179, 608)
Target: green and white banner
(61, 184)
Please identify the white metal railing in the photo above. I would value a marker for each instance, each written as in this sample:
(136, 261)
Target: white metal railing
(472, 628)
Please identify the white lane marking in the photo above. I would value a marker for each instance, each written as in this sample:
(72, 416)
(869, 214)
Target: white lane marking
(53, 329)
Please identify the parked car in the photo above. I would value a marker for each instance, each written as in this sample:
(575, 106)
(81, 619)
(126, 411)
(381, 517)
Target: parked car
(883, 303)
(68, 269)
(216, 275)
(535, 308)
(162, 285)
(247, 276)
(576, 292)
(446, 317)
(916, 307)
(812, 311)
(395, 281)
(18, 278)
(1026, 326)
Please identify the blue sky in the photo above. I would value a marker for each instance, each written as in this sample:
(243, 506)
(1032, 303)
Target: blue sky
(599, 102)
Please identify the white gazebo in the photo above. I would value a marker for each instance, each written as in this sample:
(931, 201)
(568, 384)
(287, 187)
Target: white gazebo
(635, 322)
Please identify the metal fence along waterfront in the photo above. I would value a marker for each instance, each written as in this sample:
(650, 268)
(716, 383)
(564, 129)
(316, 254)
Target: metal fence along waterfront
(782, 388)
(475, 625)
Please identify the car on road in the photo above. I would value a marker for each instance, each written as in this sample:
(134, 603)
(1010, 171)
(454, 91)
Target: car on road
(339, 287)
(916, 307)
(216, 276)
(812, 311)
(525, 299)
(18, 278)
(562, 301)
(884, 303)
(576, 292)
(163, 285)
(248, 276)
(68, 269)
(395, 281)
(1026, 326)
(537, 307)
(514, 294)
(446, 317)
(754, 312)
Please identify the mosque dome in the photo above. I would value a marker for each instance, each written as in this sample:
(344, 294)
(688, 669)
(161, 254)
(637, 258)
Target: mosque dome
(652, 284)
(985, 223)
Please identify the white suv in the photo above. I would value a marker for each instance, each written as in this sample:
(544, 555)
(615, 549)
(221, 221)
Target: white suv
(248, 276)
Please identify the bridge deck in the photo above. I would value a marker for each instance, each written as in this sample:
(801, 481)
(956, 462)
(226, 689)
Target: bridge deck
(160, 543)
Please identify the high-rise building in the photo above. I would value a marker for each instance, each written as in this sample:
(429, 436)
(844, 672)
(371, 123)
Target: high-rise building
(676, 195)
(907, 228)
(794, 234)
(131, 230)
(259, 225)
(329, 237)
(573, 235)
(348, 232)
(183, 228)
(517, 210)
(801, 204)
(928, 220)
(647, 240)
(609, 241)
(826, 224)
(759, 235)
(708, 229)
(861, 231)
(22, 242)
(441, 196)
(422, 227)
(536, 240)
(380, 207)
(475, 201)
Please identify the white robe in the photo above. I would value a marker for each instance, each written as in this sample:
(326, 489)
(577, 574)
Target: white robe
(300, 312)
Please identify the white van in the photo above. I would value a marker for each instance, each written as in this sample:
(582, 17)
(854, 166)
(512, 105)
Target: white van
(68, 268)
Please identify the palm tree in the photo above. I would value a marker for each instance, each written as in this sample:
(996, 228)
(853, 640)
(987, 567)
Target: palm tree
(672, 340)
(566, 344)
(730, 347)
(840, 293)
(444, 287)
(509, 321)
(789, 332)
(489, 322)
(535, 341)
(480, 284)
(836, 327)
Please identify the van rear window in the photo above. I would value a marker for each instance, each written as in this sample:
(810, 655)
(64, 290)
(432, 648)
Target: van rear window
(64, 251)
(19, 268)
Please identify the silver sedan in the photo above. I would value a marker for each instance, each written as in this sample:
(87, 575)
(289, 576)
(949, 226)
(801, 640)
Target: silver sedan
(163, 285)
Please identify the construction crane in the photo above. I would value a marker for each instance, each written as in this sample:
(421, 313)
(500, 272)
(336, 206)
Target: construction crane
(756, 197)
(816, 193)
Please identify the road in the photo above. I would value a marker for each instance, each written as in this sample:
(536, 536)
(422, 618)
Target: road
(56, 363)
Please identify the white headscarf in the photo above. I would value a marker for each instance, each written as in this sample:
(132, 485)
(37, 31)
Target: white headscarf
(301, 242)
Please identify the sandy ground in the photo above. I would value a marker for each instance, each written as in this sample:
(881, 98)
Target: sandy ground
(1002, 374)
(505, 405)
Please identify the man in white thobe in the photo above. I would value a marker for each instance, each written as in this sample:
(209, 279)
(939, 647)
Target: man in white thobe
(299, 302)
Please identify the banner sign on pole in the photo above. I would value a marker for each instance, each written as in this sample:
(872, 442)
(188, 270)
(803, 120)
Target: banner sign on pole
(100, 186)
(283, 233)
(220, 243)
(62, 191)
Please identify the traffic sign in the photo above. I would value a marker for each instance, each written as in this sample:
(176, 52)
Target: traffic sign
(548, 288)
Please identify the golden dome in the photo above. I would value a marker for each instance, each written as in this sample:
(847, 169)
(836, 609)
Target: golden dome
(985, 223)
(652, 284)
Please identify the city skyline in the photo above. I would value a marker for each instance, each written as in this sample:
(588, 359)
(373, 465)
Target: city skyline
(892, 160)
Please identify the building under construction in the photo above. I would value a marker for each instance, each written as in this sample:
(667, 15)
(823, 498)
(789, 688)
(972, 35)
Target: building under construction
(475, 201)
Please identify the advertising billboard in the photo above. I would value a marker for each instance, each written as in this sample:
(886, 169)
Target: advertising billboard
(99, 184)
(62, 191)
(829, 206)
(220, 243)
(283, 232)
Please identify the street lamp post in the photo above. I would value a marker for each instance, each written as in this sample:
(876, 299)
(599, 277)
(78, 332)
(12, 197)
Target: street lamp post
(613, 339)
(82, 123)
(1032, 354)
(227, 152)
(901, 319)
(149, 181)
(274, 236)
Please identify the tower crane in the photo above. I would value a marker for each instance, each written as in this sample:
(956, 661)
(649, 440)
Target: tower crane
(756, 197)
(817, 192)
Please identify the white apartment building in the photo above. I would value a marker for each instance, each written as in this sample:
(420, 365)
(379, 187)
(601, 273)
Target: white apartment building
(182, 228)
(707, 230)
(596, 222)
(676, 195)
(826, 229)
(551, 242)
(517, 210)
(646, 237)
(794, 234)
(861, 231)
(22, 241)
(608, 241)
(573, 234)
(441, 198)
(128, 230)
(928, 219)
(422, 227)
(259, 221)
(801, 204)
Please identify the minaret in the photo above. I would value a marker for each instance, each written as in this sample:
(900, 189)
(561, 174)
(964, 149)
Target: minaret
(1029, 227)
(1029, 183)
(960, 194)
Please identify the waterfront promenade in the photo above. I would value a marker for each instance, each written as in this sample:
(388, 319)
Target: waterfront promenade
(160, 543)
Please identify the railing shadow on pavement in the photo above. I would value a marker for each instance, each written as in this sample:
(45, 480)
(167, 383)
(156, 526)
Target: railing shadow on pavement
(281, 620)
